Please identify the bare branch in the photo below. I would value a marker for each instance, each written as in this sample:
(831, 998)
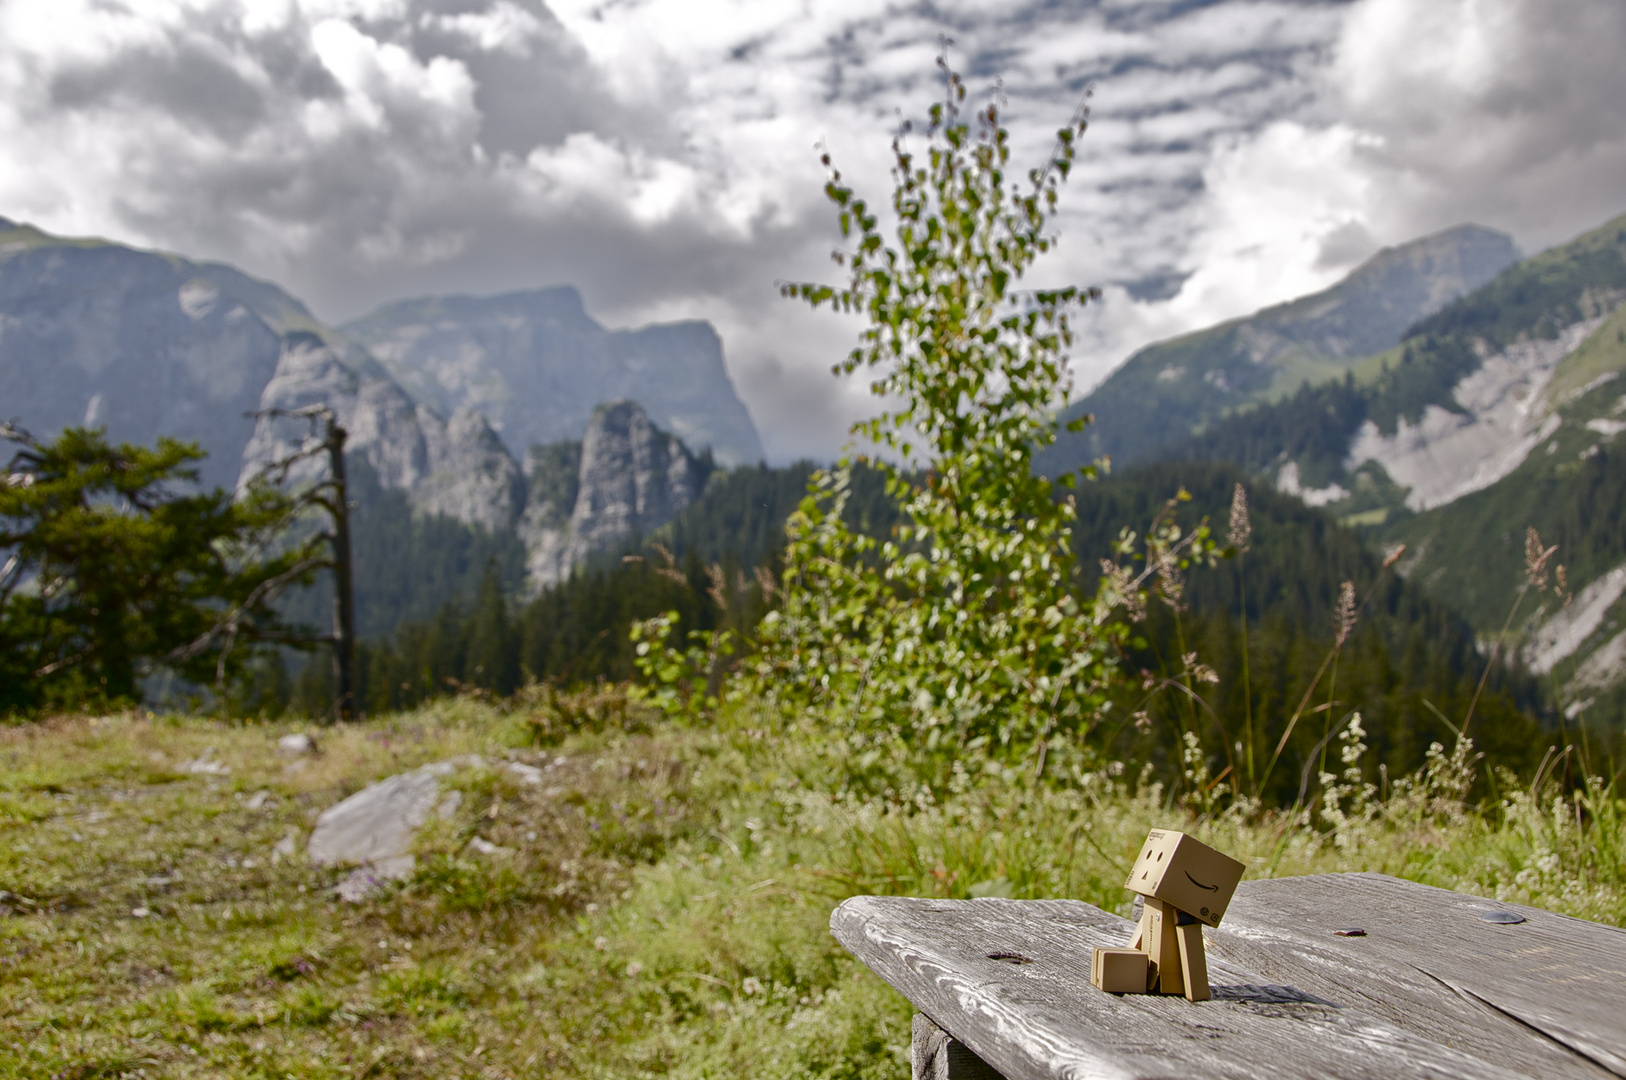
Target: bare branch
(268, 589)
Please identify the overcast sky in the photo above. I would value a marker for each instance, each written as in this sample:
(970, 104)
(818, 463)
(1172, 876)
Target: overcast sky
(660, 154)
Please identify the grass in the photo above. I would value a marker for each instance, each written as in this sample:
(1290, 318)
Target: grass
(659, 905)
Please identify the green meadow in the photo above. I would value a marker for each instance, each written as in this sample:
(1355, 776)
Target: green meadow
(656, 906)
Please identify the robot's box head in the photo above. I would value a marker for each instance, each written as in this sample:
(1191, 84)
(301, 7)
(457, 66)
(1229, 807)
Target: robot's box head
(1186, 874)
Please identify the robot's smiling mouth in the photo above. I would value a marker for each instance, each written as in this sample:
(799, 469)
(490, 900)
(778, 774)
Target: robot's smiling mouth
(1200, 885)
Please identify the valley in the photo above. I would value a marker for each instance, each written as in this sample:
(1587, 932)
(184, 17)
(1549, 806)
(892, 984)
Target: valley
(1497, 412)
(1446, 395)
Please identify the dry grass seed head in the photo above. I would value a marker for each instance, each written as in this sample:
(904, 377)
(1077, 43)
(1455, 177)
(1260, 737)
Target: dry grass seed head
(1241, 530)
(1344, 614)
(1535, 558)
(718, 589)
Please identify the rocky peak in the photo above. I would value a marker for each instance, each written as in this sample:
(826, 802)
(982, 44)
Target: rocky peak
(626, 476)
(455, 467)
(537, 364)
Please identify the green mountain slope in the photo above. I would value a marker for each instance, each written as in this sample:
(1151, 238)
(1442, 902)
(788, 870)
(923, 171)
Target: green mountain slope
(1503, 411)
(1409, 653)
(1572, 491)
(1169, 390)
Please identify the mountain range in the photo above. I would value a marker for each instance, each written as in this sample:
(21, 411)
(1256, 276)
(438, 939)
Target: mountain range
(1492, 414)
(536, 365)
(1173, 388)
(1448, 395)
(148, 344)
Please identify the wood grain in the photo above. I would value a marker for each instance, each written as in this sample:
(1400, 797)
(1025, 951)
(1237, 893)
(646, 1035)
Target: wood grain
(1546, 997)
(934, 1054)
(1011, 980)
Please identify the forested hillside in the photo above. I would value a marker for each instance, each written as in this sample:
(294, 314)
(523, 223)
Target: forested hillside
(1497, 415)
(1169, 390)
(466, 622)
(1408, 659)
(1409, 665)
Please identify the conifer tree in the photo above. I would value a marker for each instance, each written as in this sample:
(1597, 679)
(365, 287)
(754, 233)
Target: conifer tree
(110, 567)
(492, 662)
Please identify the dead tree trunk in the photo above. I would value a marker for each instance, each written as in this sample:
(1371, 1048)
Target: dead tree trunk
(344, 597)
(332, 495)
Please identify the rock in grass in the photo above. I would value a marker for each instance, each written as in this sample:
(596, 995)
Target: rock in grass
(206, 765)
(373, 829)
(297, 743)
(524, 774)
(285, 848)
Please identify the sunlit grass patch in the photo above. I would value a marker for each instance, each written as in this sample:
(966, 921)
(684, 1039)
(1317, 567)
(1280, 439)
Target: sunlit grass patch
(656, 902)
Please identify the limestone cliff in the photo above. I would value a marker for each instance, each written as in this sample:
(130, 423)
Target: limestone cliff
(626, 476)
(536, 364)
(148, 344)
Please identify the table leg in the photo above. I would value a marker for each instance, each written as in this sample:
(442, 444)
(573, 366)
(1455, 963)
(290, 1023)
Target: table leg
(937, 1055)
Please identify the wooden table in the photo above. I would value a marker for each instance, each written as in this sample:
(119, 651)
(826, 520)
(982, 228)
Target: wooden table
(1435, 987)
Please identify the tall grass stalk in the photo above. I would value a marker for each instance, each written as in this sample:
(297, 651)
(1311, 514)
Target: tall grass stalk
(1241, 532)
(1536, 558)
(1332, 655)
(1343, 623)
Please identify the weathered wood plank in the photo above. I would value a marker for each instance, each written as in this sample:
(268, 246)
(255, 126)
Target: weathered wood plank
(1546, 996)
(934, 1054)
(1010, 980)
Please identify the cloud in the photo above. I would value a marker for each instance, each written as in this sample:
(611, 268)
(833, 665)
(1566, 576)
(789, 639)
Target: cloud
(1506, 111)
(661, 154)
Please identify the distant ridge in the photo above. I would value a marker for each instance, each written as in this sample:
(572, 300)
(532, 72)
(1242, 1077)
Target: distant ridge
(537, 364)
(1169, 390)
(149, 344)
(1503, 411)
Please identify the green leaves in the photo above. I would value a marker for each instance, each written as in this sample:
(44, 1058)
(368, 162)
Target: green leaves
(962, 631)
(109, 570)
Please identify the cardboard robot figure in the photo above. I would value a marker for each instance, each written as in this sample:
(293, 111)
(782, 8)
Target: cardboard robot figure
(1187, 885)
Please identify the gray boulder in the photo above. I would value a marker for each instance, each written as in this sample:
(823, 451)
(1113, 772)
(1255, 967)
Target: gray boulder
(373, 829)
(297, 743)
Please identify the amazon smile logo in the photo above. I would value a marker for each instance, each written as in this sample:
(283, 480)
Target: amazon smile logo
(1200, 885)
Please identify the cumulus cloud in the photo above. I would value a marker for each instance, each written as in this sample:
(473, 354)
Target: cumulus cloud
(660, 153)
(1506, 111)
